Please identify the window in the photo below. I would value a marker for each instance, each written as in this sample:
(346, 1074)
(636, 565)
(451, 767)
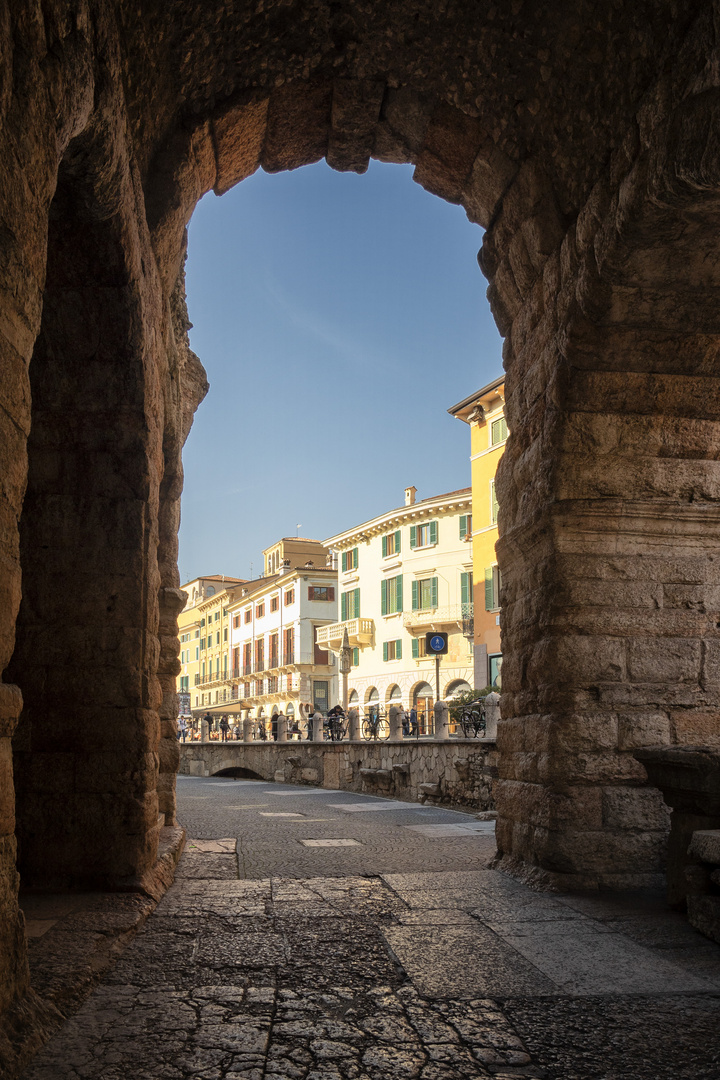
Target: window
(349, 560)
(247, 657)
(391, 595)
(197, 652)
(290, 646)
(498, 431)
(493, 503)
(202, 622)
(321, 592)
(350, 605)
(210, 590)
(273, 684)
(391, 544)
(418, 648)
(466, 593)
(217, 638)
(355, 660)
(274, 603)
(248, 615)
(289, 597)
(423, 535)
(217, 616)
(236, 621)
(259, 610)
(273, 650)
(392, 650)
(259, 654)
(354, 697)
(425, 594)
(202, 642)
(197, 633)
(492, 588)
(465, 526)
(225, 634)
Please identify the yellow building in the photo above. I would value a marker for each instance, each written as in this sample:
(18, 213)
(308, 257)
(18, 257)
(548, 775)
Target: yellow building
(484, 411)
(202, 629)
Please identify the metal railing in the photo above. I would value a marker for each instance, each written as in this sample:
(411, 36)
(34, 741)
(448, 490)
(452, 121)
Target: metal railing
(439, 616)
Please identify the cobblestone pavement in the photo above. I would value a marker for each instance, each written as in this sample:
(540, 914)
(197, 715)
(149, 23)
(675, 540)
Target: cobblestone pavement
(398, 955)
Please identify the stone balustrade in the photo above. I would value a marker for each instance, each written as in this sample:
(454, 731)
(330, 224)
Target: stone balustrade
(455, 772)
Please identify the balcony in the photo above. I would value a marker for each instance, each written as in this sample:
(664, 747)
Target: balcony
(435, 618)
(360, 632)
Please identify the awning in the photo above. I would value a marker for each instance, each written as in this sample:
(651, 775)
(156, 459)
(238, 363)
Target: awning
(229, 708)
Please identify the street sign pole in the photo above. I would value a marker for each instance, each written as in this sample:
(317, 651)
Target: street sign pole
(437, 676)
(436, 644)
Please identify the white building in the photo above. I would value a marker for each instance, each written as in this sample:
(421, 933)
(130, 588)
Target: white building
(401, 575)
(274, 660)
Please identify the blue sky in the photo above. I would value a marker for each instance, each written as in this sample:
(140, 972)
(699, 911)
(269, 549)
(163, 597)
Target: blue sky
(338, 318)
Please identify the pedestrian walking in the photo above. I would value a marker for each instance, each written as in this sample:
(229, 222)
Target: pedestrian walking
(413, 722)
(224, 728)
(182, 728)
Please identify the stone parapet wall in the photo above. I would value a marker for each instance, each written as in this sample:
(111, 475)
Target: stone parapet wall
(460, 772)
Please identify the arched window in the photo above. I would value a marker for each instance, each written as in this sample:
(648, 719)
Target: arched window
(210, 590)
(395, 693)
(457, 687)
(423, 690)
(354, 698)
(372, 694)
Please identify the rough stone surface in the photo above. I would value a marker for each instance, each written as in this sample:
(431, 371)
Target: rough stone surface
(351, 974)
(459, 772)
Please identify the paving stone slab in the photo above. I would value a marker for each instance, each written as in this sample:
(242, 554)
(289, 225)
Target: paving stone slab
(490, 966)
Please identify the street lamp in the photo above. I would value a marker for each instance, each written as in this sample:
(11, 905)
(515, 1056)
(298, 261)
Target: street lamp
(345, 665)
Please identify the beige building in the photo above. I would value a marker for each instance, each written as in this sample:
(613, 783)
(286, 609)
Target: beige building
(401, 575)
(202, 629)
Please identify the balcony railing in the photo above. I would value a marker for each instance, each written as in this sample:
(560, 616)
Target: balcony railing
(433, 618)
(360, 632)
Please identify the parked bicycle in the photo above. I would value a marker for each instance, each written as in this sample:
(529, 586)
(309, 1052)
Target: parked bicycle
(335, 728)
(472, 720)
(375, 726)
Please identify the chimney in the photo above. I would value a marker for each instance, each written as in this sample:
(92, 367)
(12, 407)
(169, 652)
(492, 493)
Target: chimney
(410, 496)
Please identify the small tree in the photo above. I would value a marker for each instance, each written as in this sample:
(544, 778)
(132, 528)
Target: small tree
(461, 701)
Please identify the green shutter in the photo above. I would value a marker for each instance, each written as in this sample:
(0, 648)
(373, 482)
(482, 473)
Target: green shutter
(463, 526)
(383, 598)
(397, 542)
(493, 502)
(434, 592)
(356, 657)
(398, 649)
(398, 593)
(464, 588)
(356, 614)
(344, 561)
(415, 648)
(354, 558)
(433, 532)
(343, 606)
(385, 650)
(413, 536)
(415, 596)
(384, 546)
(489, 605)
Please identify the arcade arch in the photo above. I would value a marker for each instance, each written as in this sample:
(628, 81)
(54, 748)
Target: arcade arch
(601, 257)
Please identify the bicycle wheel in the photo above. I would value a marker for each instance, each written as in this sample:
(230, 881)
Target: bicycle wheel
(368, 732)
(466, 725)
(383, 730)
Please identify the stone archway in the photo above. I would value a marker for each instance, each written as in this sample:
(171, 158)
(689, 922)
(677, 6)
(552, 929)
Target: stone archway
(595, 170)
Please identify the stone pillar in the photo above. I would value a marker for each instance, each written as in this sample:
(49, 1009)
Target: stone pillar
(610, 542)
(204, 730)
(282, 728)
(492, 715)
(247, 729)
(318, 731)
(442, 721)
(395, 721)
(354, 725)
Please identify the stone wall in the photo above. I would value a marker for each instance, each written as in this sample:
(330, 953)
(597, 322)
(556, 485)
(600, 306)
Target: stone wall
(459, 772)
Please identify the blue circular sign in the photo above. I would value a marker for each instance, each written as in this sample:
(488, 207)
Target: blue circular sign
(437, 643)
